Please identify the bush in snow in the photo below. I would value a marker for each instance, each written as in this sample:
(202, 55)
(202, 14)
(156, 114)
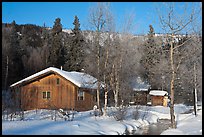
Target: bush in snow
(67, 114)
(136, 114)
(120, 113)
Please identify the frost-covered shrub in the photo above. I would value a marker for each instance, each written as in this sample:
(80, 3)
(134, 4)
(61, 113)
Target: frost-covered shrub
(136, 113)
(120, 113)
(66, 114)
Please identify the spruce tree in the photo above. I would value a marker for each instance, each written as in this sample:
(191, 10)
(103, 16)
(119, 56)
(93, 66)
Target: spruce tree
(151, 55)
(76, 24)
(151, 31)
(15, 70)
(75, 50)
(57, 28)
(56, 57)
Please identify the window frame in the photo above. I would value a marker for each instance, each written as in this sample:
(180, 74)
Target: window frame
(80, 95)
(45, 94)
(58, 81)
(48, 97)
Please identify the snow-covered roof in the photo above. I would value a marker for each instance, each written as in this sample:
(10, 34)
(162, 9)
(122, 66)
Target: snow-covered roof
(158, 93)
(140, 85)
(80, 79)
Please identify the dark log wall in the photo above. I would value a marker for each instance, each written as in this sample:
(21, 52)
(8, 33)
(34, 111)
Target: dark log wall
(140, 97)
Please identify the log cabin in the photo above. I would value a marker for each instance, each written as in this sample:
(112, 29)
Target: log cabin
(139, 97)
(139, 94)
(159, 97)
(54, 88)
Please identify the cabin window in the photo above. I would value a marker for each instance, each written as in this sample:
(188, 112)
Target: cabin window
(80, 95)
(58, 81)
(46, 95)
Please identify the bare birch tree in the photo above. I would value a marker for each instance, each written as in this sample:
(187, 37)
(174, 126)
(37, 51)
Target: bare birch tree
(121, 43)
(108, 43)
(174, 23)
(100, 20)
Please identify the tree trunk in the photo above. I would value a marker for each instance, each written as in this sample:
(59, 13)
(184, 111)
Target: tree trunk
(106, 102)
(106, 90)
(173, 122)
(116, 88)
(98, 72)
(117, 81)
(195, 92)
(116, 99)
(98, 95)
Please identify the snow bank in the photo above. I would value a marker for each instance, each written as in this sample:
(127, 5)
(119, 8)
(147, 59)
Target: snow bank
(188, 124)
(85, 123)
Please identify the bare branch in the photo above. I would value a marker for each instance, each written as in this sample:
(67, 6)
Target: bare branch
(182, 43)
(179, 64)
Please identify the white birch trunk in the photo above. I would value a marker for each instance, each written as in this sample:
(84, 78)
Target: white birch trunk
(173, 122)
(195, 92)
(106, 90)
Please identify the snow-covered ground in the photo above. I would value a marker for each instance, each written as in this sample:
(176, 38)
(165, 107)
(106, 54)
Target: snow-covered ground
(41, 123)
(187, 125)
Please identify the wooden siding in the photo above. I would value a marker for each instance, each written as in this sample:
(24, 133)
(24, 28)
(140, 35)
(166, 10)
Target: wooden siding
(87, 102)
(165, 101)
(62, 95)
(157, 100)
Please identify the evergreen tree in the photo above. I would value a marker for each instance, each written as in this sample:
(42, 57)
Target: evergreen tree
(56, 57)
(151, 57)
(57, 28)
(76, 24)
(15, 69)
(75, 50)
(151, 31)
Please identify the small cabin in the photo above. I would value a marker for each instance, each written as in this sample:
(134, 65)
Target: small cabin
(53, 88)
(158, 98)
(140, 91)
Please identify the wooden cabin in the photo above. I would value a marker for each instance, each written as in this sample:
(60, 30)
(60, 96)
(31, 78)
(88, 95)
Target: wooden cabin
(139, 97)
(158, 98)
(53, 88)
(140, 91)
